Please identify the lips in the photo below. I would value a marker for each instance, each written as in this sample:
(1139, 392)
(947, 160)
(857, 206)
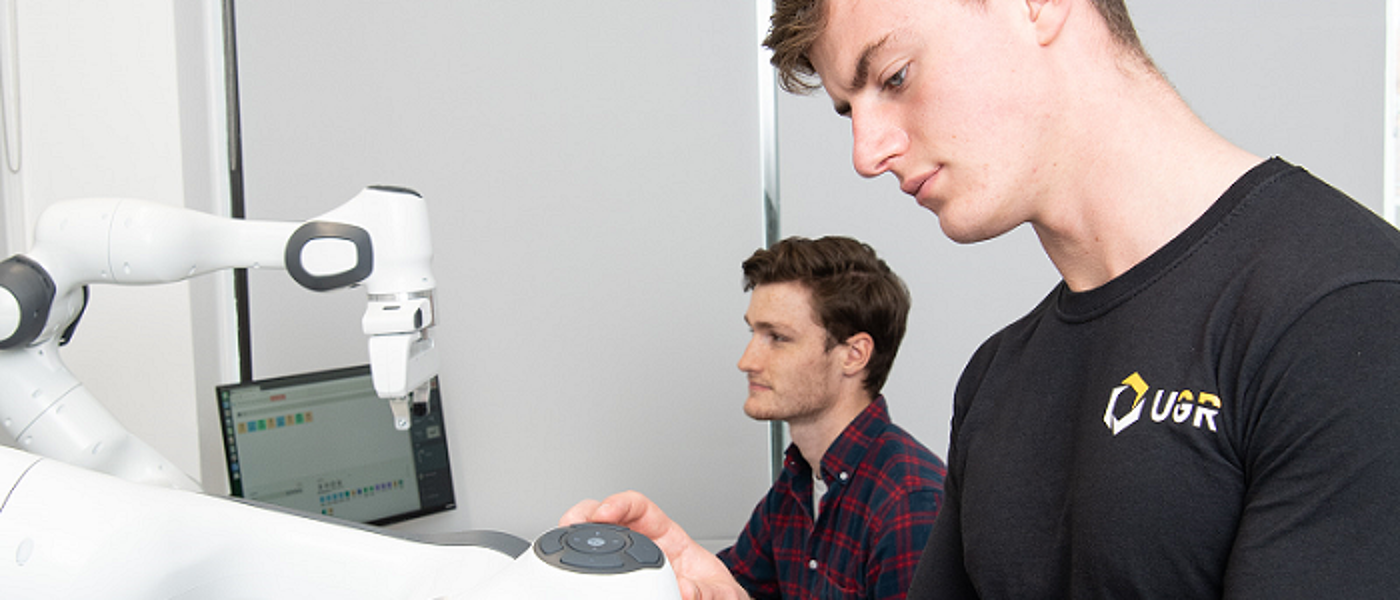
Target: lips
(912, 185)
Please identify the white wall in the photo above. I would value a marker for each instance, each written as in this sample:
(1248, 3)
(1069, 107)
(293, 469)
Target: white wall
(122, 90)
(591, 170)
(204, 118)
(1299, 79)
(99, 116)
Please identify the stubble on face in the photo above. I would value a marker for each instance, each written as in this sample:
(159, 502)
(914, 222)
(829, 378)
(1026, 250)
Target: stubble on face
(790, 369)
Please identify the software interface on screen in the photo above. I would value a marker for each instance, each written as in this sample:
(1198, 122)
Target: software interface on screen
(325, 443)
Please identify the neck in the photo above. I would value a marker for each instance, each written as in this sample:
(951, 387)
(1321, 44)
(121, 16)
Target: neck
(814, 435)
(1139, 167)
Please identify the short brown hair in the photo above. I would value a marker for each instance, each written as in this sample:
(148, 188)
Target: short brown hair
(853, 291)
(796, 25)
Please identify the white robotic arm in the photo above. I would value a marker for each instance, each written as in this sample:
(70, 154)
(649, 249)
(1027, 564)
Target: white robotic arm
(99, 531)
(378, 240)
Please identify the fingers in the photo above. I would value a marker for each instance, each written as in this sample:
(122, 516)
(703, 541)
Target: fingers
(580, 513)
(629, 507)
(699, 573)
(625, 508)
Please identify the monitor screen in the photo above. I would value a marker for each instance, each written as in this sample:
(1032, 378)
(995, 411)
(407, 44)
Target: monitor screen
(325, 443)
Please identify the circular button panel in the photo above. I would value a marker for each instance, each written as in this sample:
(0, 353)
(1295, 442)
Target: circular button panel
(595, 540)
(598, 548)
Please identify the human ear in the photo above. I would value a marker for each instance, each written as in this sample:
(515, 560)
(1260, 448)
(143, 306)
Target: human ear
(1048, 17)
(859, 347)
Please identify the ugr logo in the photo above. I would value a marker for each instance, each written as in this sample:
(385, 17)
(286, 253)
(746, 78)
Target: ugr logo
(1182, 406)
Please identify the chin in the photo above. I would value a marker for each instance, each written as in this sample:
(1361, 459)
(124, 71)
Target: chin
(962, 236)
(968, 230)
(758, 412)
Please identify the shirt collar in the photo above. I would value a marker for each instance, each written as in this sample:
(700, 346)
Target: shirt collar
(846, 452)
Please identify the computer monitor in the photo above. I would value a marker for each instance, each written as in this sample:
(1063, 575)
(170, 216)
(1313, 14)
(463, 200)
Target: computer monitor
(324, 443)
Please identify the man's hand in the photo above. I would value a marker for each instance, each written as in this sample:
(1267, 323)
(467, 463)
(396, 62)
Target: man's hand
(699, 573)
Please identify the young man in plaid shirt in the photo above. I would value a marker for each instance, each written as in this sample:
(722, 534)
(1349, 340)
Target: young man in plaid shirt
(854, 505)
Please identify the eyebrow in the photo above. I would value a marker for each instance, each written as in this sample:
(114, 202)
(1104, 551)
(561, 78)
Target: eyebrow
(762, 326)
(862, 71)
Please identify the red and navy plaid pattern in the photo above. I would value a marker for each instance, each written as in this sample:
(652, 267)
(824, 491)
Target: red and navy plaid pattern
(884, 490)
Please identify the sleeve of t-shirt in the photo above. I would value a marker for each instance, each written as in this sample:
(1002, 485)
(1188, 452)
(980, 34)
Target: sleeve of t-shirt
(940, 573)
(1321, 456)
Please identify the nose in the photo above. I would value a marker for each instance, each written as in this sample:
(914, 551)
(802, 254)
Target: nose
(748, 361)
(876, 142)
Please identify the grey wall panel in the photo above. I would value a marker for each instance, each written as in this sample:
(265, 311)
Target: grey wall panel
(1303, 80)
(1298, 79)
(592, 174)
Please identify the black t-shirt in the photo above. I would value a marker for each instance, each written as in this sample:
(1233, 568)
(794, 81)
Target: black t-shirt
(1221, 420)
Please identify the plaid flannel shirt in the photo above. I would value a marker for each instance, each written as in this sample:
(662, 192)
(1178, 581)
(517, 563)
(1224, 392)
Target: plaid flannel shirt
(884, 490)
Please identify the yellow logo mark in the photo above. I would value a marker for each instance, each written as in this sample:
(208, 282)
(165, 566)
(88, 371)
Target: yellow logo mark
(1135, 381)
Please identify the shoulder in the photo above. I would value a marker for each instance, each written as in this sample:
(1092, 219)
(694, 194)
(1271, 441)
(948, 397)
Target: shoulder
(1307, 224)
(1293, 242)
(904, 462)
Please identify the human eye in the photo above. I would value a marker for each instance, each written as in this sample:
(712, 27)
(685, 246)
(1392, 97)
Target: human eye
(897, 80)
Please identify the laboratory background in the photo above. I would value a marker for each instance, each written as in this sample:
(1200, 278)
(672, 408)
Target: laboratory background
(595, 173)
